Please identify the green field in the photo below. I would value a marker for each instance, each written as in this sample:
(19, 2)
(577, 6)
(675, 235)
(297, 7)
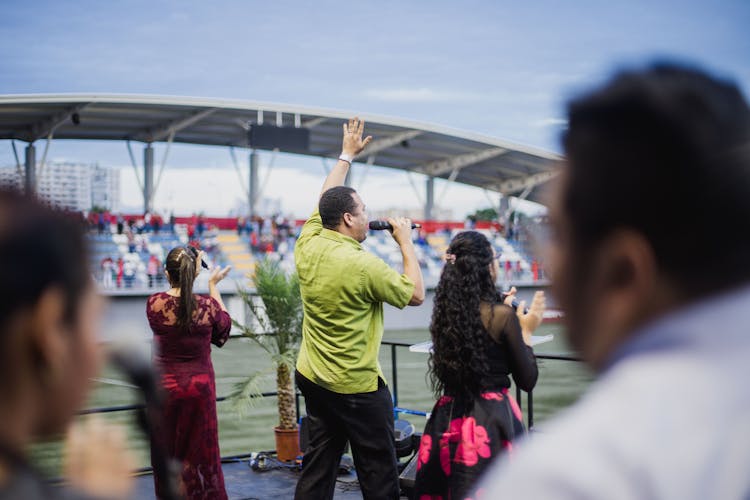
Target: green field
(560, 383)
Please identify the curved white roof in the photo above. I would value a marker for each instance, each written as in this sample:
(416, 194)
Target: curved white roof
(437, 151)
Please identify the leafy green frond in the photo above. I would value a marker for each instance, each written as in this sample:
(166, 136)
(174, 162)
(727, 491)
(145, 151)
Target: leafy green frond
(274, 321)
(245, 393)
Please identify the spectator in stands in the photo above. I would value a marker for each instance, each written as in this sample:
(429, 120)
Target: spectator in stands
(343, 289)
(669, 414)
(120, 271)
(477, 343)
(100, 222)
(152, 270)
(157, 222)
(240, 225)
(184, 326)
(200, 226)
(120, 224)
(107, 266)
(49, 316)
(508, 270)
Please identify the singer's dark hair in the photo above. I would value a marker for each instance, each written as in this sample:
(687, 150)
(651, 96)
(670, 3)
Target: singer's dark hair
(458, 364)
(40, 248)
(334, 203)
(181, 271)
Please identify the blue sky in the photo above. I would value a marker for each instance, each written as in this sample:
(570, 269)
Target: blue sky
(502, 68)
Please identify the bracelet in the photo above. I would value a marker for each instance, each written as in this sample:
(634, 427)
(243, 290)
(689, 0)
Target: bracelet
(347, 158)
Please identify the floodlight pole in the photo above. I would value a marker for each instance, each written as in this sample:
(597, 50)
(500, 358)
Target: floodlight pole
(148, 178)
(30, 183)
(252, 192)
(429, 202)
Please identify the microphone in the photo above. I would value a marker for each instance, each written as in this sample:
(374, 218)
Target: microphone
(379, 225)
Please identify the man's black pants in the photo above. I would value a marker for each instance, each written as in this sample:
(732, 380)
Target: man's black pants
(366, 421)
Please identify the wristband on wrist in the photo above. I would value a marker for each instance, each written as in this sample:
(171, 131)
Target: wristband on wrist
(347, 158)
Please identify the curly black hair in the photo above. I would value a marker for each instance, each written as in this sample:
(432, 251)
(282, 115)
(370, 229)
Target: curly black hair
(458, 363)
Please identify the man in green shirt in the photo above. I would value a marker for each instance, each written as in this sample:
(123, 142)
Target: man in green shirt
(343, 289)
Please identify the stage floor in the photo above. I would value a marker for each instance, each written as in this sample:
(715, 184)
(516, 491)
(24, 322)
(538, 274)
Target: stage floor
(244, 483)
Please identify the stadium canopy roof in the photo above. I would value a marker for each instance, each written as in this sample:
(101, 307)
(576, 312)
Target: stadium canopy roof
(435, 151)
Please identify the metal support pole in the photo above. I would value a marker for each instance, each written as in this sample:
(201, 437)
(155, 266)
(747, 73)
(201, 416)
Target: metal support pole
(252, 191)
(429, 202)
(148, 177)
(530, 409)
(30, 183)
(394, 382)
(504, 212)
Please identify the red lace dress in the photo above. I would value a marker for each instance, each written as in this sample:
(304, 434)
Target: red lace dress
(189, 429)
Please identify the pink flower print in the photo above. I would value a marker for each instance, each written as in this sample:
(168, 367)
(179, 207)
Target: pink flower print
(425, 445)
(492, 395)
(444, 400)
(445, 453)
(474, 443)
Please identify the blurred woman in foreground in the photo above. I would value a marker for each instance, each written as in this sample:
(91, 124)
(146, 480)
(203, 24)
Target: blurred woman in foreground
(49, 318)
(478, 342)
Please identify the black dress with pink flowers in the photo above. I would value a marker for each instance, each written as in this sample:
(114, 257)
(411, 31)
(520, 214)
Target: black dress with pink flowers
(462, 437)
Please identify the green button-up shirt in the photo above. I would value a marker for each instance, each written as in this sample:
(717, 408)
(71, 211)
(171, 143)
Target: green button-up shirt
(343, 289)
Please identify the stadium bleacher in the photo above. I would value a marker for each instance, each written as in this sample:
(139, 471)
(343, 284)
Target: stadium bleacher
(226, 247)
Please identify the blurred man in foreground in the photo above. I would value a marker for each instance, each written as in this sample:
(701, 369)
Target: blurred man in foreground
(653, 158)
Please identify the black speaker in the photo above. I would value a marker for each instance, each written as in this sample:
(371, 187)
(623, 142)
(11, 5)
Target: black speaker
(284, 138)
(403, 432)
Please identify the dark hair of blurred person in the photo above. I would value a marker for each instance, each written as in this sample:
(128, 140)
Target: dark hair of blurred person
(49, 316)
(477, 343)
(649, 261)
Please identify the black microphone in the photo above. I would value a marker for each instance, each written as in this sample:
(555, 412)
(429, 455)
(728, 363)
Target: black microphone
(379, 225)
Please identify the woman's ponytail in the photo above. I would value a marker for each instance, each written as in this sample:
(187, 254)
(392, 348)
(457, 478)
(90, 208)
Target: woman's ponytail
(187, 301)
(181, 270)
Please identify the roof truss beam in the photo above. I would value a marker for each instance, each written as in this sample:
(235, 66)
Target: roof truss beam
(48, 126)
(441, 167)
(386, 142)
(516, 185)
(171, 128)
(315, 122)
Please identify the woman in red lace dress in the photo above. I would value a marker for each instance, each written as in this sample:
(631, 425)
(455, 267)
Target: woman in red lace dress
(184, 326)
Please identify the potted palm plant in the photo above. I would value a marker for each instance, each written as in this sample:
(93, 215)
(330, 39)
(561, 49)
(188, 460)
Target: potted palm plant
(274, 323)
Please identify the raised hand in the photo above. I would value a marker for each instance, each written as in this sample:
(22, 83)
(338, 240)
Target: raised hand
(353, 144)
(218, 274)
(533, 317)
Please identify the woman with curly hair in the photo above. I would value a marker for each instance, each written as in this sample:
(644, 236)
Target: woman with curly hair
(478, 342)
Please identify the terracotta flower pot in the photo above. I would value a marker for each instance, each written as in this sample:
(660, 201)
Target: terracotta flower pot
(287, 444)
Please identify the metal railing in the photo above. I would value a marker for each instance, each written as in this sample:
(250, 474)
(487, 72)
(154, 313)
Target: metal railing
(392, 345)
(519, 393)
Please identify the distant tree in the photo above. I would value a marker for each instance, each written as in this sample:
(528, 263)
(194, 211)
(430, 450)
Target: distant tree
(485, 214)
